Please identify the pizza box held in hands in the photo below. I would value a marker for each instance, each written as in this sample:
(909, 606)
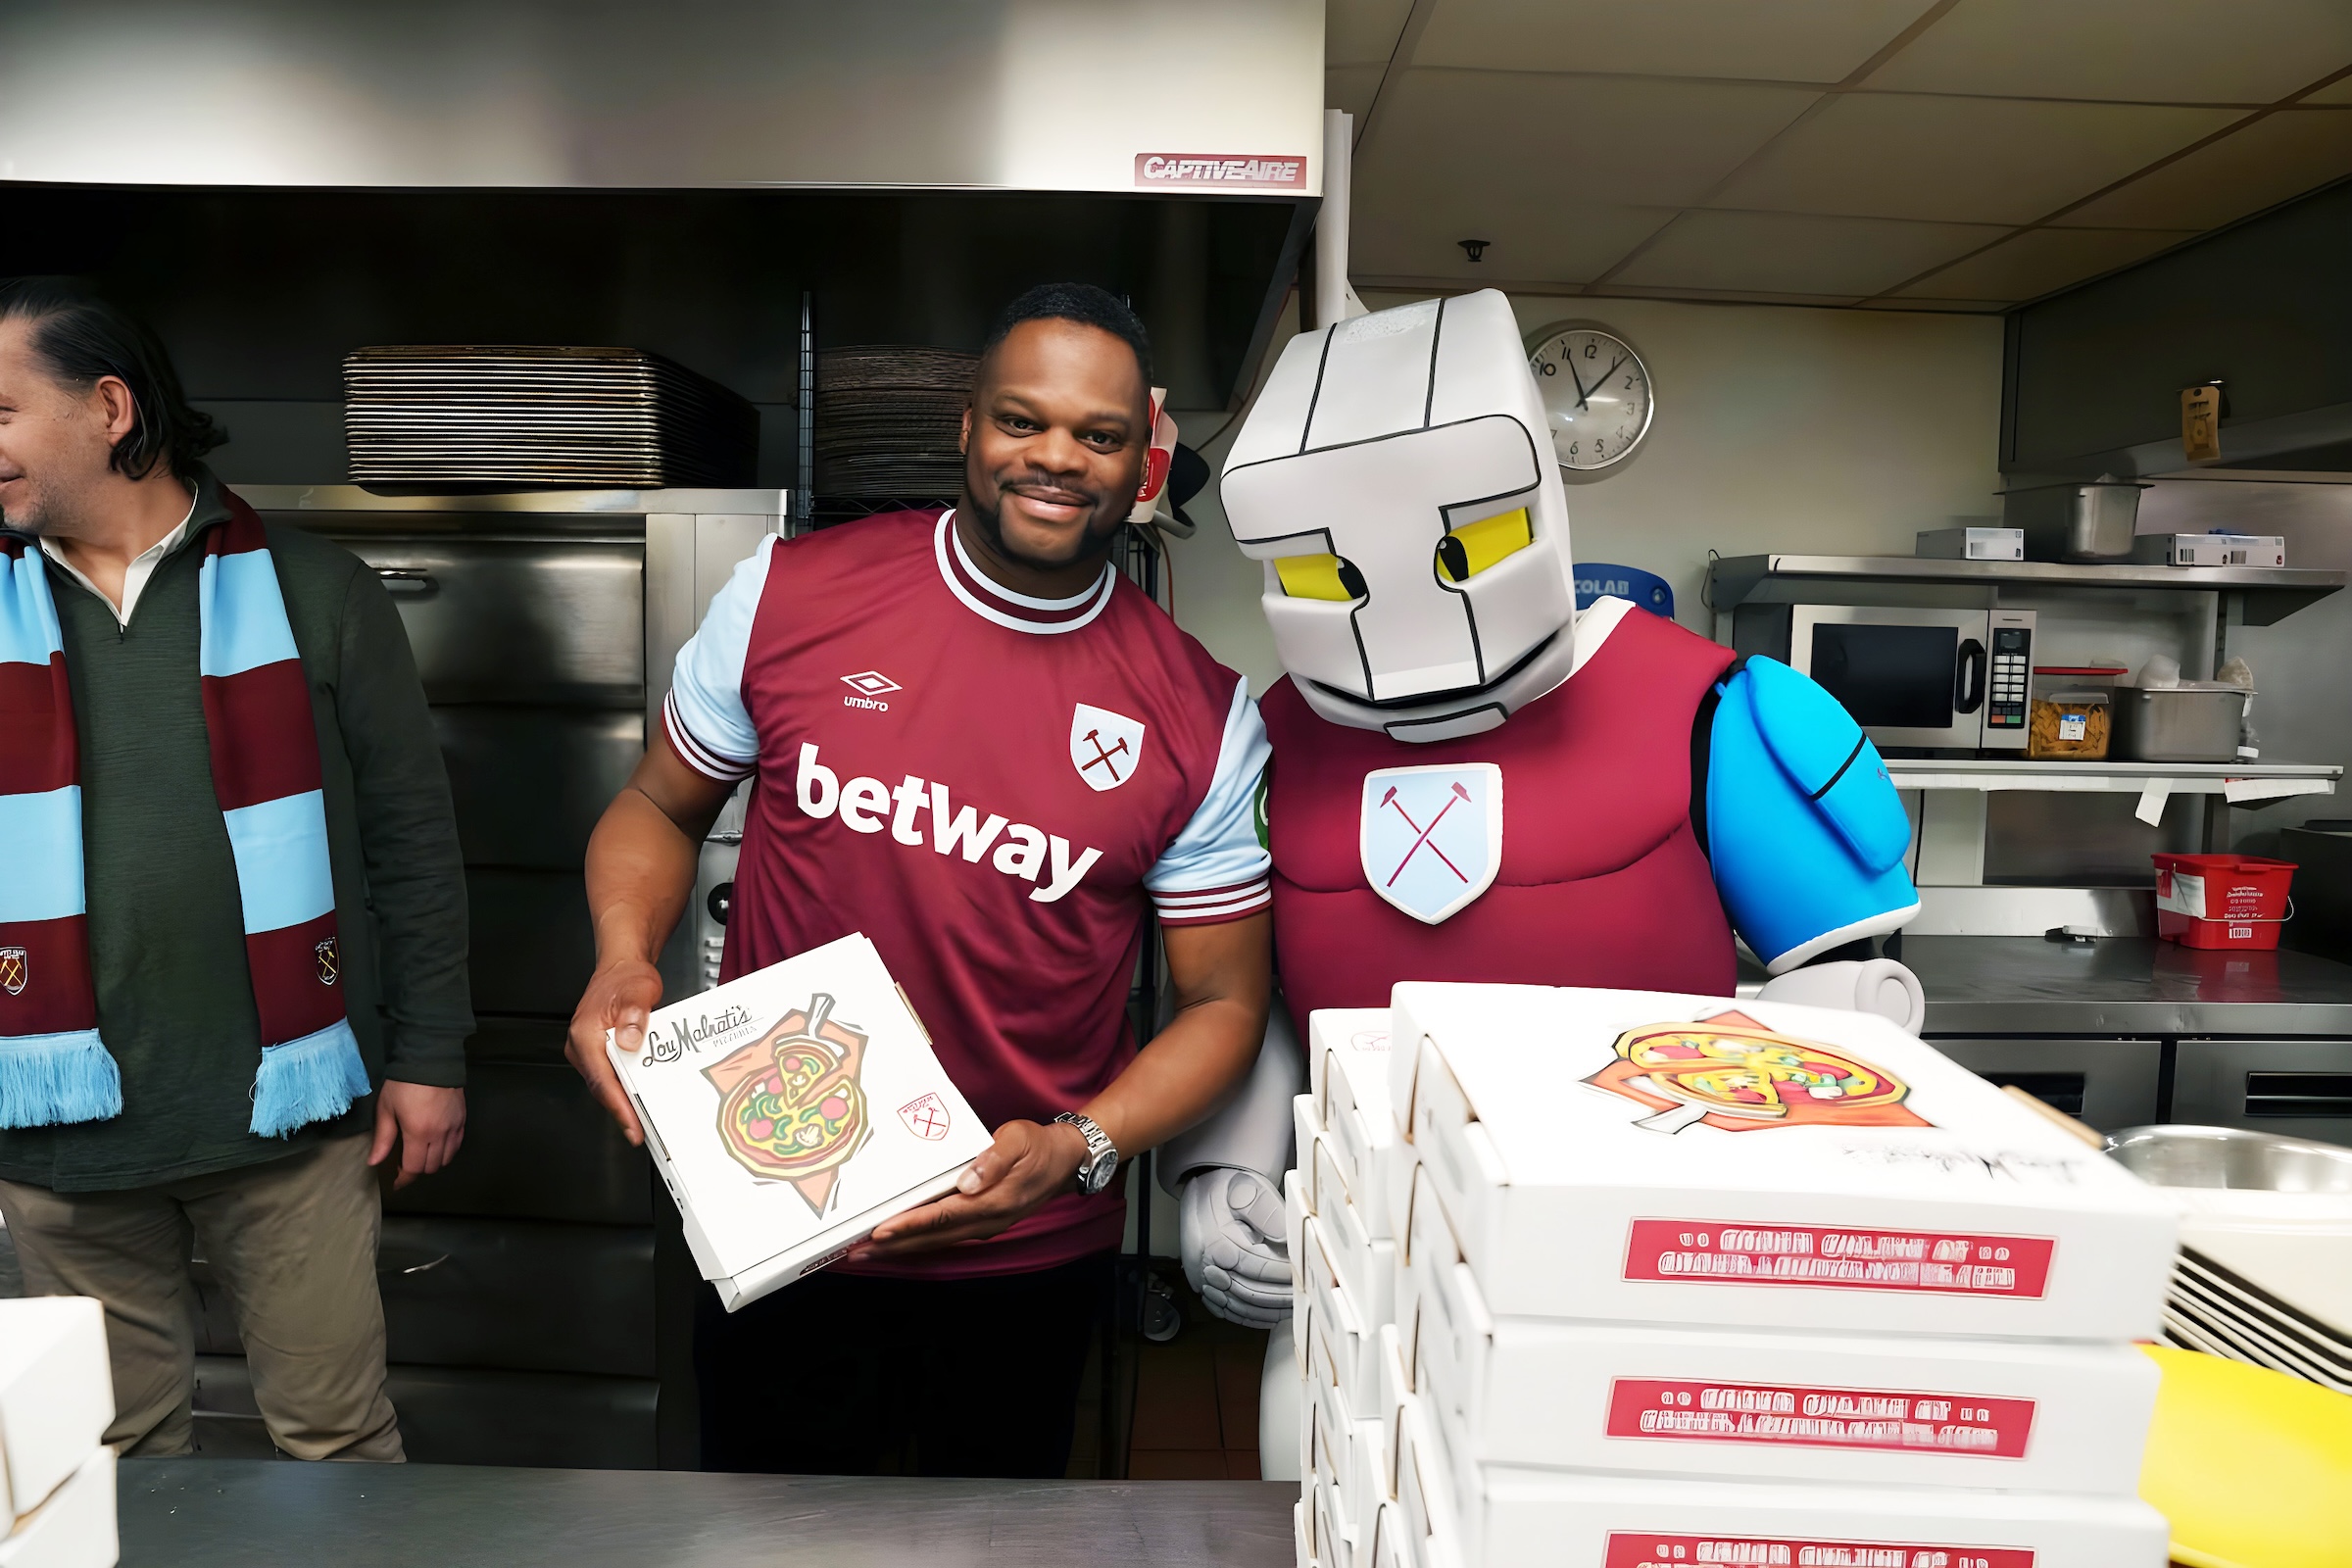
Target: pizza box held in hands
(1651, 1157)
(75, 1525)
(57, 1396)
(793, 1110)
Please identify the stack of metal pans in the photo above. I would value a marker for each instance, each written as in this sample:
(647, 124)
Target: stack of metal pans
(528, 415)
(888, 421)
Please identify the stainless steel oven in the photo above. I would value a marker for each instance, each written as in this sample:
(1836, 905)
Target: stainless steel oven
(1926, 679)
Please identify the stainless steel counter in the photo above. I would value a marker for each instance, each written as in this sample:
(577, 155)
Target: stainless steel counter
(261, 1513)
(2125, 985)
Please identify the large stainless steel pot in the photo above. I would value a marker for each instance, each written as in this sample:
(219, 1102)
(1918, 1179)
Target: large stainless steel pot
(2079, 522)
(2231, 1157)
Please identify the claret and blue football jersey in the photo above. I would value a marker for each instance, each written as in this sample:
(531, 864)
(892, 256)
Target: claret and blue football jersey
(995, 788)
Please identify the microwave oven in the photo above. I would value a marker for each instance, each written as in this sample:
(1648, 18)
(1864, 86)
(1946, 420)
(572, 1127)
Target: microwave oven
(1924, 678)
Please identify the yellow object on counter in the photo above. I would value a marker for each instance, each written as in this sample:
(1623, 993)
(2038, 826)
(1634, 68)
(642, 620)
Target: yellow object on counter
(2252, 1467)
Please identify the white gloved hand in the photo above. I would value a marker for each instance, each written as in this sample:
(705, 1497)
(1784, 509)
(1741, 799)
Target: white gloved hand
(1856, 985)
(1234, 1242)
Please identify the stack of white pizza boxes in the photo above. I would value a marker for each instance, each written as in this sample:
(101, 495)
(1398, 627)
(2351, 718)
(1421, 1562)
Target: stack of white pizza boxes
(1682, 1280)
(1346, 1200)
(57, 1396)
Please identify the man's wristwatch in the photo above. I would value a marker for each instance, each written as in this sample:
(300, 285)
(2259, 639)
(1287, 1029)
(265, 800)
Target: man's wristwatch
(1101, 1160)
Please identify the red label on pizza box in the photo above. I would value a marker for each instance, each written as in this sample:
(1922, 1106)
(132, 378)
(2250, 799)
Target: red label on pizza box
(1700, 1410)
(1848, 1258)
(1628, 1549)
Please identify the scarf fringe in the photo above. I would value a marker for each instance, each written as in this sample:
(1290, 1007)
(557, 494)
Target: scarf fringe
(51, 1079)
(307, 1080)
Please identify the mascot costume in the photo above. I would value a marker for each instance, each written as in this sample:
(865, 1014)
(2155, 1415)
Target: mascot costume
(1471, 780)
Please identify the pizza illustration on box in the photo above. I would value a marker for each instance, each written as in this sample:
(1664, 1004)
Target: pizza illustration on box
(790, 1106)
(1730, 1072)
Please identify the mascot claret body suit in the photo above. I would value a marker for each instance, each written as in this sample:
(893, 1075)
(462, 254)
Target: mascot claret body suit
(1473, 782)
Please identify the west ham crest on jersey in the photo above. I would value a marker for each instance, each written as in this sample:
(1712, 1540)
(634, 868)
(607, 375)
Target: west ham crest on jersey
(1104, 745)
(1432, 837)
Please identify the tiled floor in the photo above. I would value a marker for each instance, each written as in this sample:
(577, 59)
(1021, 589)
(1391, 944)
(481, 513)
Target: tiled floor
(1196, 1402)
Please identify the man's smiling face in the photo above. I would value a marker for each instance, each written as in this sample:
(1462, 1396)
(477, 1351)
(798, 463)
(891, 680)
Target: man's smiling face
(1055, 442)
(53, 444)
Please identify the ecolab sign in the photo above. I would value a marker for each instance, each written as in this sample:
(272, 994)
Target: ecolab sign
(1215, 171)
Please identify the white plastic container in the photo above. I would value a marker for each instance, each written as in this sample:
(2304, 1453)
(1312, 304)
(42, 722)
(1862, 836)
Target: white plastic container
(1880, 1186)
(727, 1078)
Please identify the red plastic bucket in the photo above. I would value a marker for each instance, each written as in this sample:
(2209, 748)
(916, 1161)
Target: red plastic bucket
(2221, 901)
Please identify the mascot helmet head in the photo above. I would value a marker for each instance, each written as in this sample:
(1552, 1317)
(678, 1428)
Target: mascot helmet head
(1396, 479)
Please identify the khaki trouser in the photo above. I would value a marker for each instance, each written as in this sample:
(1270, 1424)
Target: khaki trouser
(293, 1242)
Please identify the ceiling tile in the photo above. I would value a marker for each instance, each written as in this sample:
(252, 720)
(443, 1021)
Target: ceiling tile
(2040, 261)
(1551, 241)
(1959, 160)
(1351, 88)
(2147, 51)
(2336, 93)
(2278, 157)
(1513, 139)
(1784, 252)
(1822, 40)
(1363, 32)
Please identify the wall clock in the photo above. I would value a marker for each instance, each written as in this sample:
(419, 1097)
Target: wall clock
(1597, 394)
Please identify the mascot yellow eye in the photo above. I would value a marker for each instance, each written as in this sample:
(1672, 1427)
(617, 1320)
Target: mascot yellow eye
(1333, 577)
(1475, 546)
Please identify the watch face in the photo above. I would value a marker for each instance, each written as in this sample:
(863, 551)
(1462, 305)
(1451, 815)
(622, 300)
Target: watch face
(1096, 1173)
(1596, 395)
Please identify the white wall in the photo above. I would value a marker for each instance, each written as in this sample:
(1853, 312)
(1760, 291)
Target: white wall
(1777, 428)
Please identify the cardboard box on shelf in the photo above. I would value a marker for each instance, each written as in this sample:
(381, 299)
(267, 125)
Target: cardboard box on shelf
(1307, 1124)
(1510, 1518)
(1293, 1214)
(1893, 1409)
(791, 1111)
(1349, 1072)
(1301, 1537)
(1335, 1531)
(1651, 1158)
(1424, 1473)
(1391, 1543)
(75, 1525)
(57, 1396)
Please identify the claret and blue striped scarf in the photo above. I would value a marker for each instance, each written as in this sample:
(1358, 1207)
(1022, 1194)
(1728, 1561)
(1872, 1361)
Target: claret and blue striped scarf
(54, 1067)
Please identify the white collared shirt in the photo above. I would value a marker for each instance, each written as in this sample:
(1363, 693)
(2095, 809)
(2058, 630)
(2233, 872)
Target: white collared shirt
(135, 575)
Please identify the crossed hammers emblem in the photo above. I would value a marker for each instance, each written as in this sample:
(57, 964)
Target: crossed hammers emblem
(1103, 758)
(1422, 839)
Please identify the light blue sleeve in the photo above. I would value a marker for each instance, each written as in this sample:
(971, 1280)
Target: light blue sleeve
(1805, 831)
(1218, 868)
(704, 713)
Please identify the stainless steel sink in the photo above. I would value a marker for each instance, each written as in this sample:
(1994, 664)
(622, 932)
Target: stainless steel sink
(2231, 1157)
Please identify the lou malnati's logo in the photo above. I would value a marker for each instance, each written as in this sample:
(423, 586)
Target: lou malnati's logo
(1732, 1072)
(790, 1105)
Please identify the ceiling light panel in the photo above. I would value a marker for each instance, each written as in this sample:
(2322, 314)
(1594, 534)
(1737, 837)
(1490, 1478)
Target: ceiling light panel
(2144, 51)
(1959, 160)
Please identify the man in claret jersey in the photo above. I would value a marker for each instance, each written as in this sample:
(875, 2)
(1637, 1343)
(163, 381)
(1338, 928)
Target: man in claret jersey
(980, 746)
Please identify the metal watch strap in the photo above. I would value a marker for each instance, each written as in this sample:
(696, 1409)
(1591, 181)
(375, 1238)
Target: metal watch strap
(1098, 1145)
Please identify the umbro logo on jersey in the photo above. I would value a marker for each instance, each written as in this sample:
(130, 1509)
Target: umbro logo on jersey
(869, 805)
(872, 686)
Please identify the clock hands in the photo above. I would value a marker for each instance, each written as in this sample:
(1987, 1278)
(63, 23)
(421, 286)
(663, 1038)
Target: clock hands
(1569, 360)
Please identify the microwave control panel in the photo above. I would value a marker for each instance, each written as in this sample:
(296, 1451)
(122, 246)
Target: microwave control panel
(2005, 698)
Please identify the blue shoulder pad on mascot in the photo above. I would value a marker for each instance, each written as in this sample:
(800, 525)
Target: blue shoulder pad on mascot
(1804, 828)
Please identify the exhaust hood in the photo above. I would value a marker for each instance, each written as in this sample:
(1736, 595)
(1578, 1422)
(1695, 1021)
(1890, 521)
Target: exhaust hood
(1212, 96)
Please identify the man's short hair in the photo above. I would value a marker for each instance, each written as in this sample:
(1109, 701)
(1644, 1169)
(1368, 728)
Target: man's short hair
(79, 337)
(1082, 303)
